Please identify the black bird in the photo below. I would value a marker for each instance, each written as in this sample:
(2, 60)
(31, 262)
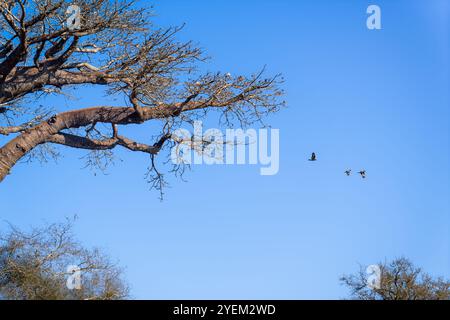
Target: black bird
(363, 174)
(348, 172)
(313, 157)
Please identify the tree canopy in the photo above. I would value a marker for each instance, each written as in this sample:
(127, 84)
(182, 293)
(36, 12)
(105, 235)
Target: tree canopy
(117, 47)
(398, 280)
(37, 265)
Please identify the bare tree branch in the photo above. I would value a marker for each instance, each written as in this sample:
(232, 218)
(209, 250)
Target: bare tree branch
(118, 48)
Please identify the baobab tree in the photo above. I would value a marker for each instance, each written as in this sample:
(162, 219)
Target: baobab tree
(48, 46)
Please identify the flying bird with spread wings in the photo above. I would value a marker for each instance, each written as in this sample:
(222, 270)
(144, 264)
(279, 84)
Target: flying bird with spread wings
(363, 174)
(348, 172)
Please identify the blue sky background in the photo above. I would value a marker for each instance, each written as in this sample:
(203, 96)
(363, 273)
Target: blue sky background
(377, 100)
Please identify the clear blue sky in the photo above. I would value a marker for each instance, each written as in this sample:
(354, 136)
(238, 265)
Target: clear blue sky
(377, 100)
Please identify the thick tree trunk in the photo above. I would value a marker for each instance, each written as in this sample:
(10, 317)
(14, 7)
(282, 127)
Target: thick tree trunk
(14, 150)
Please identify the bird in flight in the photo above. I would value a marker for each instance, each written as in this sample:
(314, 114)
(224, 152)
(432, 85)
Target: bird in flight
(348, 172)
(313, 157)
(363, 174)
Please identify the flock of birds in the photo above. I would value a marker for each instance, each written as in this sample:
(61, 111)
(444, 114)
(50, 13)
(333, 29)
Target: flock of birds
(348, 172)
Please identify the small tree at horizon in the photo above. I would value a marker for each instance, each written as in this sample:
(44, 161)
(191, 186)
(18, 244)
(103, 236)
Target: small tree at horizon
(35, 265)
(399, 280)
